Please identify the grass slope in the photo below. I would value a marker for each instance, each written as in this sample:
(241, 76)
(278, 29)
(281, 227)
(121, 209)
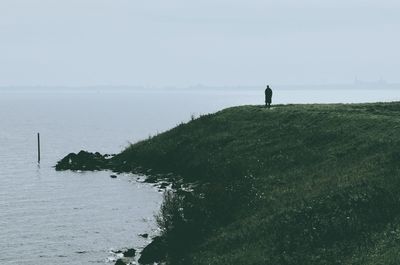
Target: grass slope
(296, 184)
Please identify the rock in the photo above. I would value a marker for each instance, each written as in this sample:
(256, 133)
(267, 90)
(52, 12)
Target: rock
(82, 161)
(150, 179)
(144, 235)
(163, 185)
(130, 253)
(154, 252)
(113, 176)
(176, 184)
(120, 262)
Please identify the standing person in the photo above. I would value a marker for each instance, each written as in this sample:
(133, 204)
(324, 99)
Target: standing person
(268, 97)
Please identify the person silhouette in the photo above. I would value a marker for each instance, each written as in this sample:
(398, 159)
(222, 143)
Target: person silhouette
(268, 97)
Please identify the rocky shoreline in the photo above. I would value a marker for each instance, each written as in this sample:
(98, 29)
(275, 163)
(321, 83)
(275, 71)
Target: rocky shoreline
(84, 161)
(88, 161)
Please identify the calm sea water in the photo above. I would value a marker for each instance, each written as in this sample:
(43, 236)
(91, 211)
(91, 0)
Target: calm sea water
(49, 217)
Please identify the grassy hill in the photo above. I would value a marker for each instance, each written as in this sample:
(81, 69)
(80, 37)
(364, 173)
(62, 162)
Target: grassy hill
(296, 184)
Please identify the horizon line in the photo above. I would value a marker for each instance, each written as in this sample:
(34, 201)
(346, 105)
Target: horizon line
(359, 83)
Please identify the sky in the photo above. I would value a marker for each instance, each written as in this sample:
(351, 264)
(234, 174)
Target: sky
(184, 42)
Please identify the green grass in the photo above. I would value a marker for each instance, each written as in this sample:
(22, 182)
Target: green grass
(296, 184)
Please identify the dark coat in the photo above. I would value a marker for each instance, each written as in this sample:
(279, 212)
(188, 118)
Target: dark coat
(268, 95)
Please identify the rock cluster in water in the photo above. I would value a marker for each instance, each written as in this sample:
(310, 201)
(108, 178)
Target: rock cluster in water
(130, 253)
(83, 161)
(125, 257)
(120, 262)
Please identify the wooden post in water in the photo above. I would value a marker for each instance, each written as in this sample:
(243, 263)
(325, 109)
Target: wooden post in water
(38, 146)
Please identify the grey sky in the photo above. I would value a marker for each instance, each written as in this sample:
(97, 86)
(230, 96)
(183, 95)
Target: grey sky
(213, 42)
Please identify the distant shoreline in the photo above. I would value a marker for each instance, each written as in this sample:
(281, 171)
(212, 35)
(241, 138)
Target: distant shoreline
(356, 86)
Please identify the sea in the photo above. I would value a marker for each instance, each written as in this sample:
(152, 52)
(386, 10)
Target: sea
(49, 217)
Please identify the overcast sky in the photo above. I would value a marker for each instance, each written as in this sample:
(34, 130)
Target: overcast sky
(185, 42)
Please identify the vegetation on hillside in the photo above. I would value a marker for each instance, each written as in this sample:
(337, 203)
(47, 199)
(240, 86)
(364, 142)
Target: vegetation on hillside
(296, 184)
